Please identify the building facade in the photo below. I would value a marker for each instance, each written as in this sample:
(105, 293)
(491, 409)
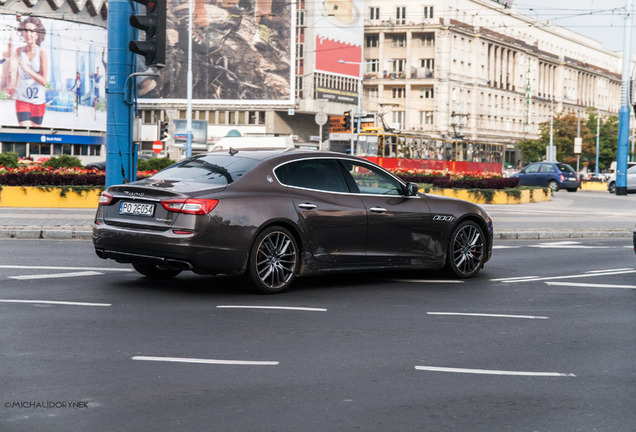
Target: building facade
(475, 69)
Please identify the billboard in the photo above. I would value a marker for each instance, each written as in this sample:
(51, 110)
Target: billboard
(52, 73)
(339, 36)
(241, 53)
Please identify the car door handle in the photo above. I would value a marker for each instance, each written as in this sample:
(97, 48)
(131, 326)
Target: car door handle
(307, 206)
(377, 210)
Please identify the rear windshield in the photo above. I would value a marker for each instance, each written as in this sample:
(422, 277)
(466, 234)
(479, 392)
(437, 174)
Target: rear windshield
(211, 169)
(565, 168)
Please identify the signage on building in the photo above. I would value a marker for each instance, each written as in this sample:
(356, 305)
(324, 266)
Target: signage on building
(52, 138)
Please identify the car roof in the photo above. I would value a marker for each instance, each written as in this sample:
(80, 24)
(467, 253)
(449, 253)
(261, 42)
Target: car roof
(288, 153)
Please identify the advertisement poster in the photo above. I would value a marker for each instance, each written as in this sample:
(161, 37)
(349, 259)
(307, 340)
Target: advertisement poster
(339, 37)
(241, 53)
(52, 73)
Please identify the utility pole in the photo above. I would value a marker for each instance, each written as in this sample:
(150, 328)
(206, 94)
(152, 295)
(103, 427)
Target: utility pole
(624, 113)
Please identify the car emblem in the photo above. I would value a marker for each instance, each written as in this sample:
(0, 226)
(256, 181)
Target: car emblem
(270, 179)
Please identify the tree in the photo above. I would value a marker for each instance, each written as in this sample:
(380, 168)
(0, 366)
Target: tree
(608, 140)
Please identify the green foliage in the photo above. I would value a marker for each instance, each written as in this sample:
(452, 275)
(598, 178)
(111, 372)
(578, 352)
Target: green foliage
(9, 160)
(565, 128)
(154, 164)
(63, 161)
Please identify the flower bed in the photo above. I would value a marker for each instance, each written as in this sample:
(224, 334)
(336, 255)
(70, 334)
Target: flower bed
(36, 175)
(457, 180)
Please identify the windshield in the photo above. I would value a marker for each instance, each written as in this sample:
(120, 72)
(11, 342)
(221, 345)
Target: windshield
(565, 168)
(212, 169)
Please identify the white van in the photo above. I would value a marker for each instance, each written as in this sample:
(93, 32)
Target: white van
(256, 142)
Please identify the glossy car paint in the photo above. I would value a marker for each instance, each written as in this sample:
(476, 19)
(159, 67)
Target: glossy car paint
(334, 231)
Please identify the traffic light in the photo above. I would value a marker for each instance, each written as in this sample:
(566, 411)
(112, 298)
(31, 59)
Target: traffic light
(347, 120)
(163, 131)
(153, 23)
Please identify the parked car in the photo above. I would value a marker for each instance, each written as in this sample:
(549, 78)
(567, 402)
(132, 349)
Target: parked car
(555, 175)
(272, 215)
(631, 180)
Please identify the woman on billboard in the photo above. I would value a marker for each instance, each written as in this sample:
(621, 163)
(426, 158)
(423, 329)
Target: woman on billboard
(29, 80)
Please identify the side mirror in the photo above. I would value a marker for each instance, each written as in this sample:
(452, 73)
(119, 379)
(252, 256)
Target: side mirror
(412, 188)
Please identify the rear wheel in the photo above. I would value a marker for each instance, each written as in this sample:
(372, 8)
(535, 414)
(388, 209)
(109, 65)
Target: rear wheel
(274, 260)
(466, 250)
(155, 271)
(553, 185)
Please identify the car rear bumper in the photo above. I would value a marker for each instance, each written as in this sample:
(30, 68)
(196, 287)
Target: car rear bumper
(570, 185)
(185, 252)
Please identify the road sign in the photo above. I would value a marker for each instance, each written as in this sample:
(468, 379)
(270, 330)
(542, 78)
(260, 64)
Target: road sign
(157, 146)
(321, 118)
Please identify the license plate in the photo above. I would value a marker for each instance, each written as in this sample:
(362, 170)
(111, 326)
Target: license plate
(136, 209)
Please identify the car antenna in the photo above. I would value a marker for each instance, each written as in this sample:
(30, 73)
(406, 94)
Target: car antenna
(233, 151)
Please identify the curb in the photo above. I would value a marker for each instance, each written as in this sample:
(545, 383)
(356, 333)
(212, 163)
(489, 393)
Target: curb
(85, 233)
(46, 233)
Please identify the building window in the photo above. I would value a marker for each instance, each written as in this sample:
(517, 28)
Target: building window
(428, 12)
(427, 63)
(374, 13)
(372, 65)
(300, 17)
(300, 50)
(427, 40)
(399, 40)
(400, 15)
(398, 118)
(371, 93)
(426, 118)
(398, 93)
(397, 65)
(373, 41)
(426, 93)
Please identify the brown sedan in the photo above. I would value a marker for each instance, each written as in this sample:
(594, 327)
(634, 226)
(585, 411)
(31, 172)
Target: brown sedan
(275, 215)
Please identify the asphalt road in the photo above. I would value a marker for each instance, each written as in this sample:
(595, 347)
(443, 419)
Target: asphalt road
(543, 340)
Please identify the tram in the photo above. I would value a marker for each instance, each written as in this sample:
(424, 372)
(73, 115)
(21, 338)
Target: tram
(414, 151)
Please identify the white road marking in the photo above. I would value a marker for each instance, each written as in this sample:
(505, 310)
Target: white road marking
(56, 275)
(65, 303)
(493, 372)
(487, 315)
(566, 246)
(507, 247)
(599, 273)
(25, 267)
(275, 308)
(586, 285)
(206, 361)
(607, 270)
(514, 279)
(431, 281)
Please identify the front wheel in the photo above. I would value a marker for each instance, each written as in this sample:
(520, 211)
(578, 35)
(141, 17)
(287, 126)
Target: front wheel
(273, 261)
(155, 271)
(612, 188)
(466, 250)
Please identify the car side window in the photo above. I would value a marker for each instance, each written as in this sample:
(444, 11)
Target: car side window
(531, 169)
(317, 174)
(547, 168)
(372, 181)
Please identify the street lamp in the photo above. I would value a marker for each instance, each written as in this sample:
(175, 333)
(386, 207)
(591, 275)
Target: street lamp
(359, 99)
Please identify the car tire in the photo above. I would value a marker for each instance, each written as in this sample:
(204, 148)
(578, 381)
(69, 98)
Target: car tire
(273, 261)
(553, 185)
(466, 250)
(155, 271)
(612, 188)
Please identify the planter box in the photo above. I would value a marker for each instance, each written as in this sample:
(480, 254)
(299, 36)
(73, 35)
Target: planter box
(498, 197)
(57, 197)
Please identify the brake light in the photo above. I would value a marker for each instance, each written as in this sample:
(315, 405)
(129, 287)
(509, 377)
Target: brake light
(105, 198)
(562, 178)
(190, 205)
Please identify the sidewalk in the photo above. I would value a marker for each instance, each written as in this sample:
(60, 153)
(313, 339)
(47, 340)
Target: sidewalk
(566, 216)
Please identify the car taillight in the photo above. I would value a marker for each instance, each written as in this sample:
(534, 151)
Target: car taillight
(190, 205)
(562, 178)
(105, 199)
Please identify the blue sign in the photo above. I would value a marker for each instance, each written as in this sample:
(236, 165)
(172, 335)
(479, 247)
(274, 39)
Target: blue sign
(52, 138)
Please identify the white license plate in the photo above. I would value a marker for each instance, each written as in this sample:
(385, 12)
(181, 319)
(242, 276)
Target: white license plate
(137, 209)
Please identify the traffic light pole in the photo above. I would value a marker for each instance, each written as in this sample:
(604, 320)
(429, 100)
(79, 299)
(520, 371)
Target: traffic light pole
(622, 152)
(120, 164)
